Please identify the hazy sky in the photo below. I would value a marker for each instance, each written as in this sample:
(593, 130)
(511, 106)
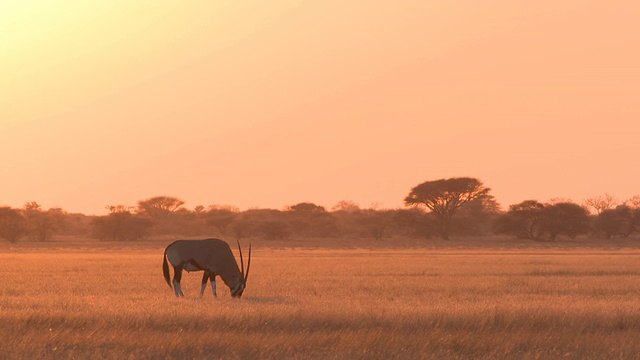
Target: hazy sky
(271, 103)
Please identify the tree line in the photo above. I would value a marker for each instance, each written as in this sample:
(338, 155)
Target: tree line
(441, 208)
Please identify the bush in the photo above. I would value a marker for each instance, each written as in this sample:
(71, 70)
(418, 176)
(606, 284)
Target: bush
(533, 220)
(621, 221)
(121, 226)
(13, 225)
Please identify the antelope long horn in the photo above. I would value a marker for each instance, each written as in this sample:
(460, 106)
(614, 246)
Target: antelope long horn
(241, 261)
(248, 265)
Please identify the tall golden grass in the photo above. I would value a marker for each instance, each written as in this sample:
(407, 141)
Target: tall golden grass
(325, 304)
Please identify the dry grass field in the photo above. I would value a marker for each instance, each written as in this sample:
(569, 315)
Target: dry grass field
(325, 304)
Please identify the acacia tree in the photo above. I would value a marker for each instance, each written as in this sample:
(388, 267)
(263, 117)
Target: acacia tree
(444, 198)
(524, 220)
(305, 207)
(166, 214)
(159, 206)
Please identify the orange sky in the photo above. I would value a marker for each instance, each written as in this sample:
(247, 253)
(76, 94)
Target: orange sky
(270, 103)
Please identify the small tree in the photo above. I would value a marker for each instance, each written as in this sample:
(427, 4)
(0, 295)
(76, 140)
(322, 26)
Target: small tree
(601, 203)
(120, 225)
(159, 206)
(533, 220)
(308, 219)
(305, 207)
(444, 198)
(475, 217)
(268, 223)
(32, 205)
(633, 202)
(13, 225)
(166, 214)
(621, 221)
(42, 224)
(523, 220)
(347, 206)
(565, 219)
(220, 219)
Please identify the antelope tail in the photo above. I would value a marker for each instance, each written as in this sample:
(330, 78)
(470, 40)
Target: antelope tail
(165, 268)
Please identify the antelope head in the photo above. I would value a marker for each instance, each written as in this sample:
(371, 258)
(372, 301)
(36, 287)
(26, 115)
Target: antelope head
(237, 290)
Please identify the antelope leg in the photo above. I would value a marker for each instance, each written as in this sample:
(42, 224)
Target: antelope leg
(205, 278)
(177, 271)
(213, 286)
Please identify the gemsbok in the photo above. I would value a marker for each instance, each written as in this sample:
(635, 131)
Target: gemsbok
(213, 256)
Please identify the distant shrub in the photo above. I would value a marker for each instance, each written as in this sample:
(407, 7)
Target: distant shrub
(533, 220)
(621, 221)
(273, 230)
(13, 225)
(121, 226)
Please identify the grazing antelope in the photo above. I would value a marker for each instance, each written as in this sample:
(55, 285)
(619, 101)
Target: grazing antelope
(213, 256)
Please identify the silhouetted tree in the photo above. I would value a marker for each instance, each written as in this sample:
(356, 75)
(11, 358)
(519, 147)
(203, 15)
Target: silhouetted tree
(13, 225)
(346, 205)
(32, 205)
(633, 202)
(621, 221)
(523, 220)
(308, 219)
(159, 206)
(71, 223)
(220, 219)
(305, 207)
(601, 203)
(444, 198)
(565, 219)
(533, 220)
(268, 223)
(42, 224)
(167, 215)
(121, 226)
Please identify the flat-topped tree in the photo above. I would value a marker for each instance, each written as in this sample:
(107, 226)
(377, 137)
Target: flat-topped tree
(444, 197)
(159, 206)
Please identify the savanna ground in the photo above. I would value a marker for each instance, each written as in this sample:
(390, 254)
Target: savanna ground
(445, 301)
